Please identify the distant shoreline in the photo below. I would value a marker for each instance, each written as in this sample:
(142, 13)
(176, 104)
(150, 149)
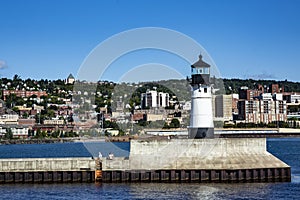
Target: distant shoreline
(36, 141)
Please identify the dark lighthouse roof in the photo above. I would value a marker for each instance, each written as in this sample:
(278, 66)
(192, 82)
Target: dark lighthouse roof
(200, 63)
(71, 76)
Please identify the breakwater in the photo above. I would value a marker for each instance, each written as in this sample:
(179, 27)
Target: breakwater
(199, 176)
(47, 170)
(205, 160)
(164, 160)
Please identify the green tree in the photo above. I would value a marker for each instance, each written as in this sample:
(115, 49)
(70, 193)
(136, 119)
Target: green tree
(174, 123)
(39, 134)
(25, 115)
(9, 134)
(166, 126)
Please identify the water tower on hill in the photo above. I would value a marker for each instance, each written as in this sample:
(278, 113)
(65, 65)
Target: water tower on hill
(201, 120)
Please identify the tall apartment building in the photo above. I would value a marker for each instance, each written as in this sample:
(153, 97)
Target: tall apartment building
(245, 93)
(235, 99)
(154, 99)
(223, 107)
(262, 110)
(256, 106)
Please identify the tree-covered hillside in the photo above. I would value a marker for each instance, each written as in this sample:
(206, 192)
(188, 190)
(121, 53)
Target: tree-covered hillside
(233, 85)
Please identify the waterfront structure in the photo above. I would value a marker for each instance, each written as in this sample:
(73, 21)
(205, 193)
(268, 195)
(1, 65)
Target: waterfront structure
(168, 159)
(47, 170)
(202, 160)
(201, 118)
(197, 160)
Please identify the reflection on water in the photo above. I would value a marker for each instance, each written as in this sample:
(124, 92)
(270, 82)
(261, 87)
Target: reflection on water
(151, 191)
(199, 191)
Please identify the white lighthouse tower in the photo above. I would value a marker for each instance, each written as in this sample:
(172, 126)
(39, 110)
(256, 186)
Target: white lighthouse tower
(201, 119)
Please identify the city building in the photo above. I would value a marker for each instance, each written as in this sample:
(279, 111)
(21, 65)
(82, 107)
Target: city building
(274, 88)
(247, 94)
(54, 122)
(262, 111)
(292, 97)
(138, 116)
(223, 107)
(154, 117)
(9, 119)
(187, 105)
(23, 93)
(18, 131)
(235, 99)
(154, 99)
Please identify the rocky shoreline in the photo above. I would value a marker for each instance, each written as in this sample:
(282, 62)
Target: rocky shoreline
(36, 141)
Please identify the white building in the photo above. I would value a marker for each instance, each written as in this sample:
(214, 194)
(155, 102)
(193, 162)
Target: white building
(295, 98)
(54, 121)
(278, 97)
(187, 105)
(17, 130)
(9, 119)
(154, 99)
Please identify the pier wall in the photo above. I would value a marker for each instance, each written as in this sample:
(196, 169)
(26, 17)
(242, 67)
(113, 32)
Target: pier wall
(44, 170)
(219, 159)
(179, 154)
(167, 160)
(199, 176)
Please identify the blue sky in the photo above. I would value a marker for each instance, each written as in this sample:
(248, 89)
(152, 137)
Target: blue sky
(49, 39)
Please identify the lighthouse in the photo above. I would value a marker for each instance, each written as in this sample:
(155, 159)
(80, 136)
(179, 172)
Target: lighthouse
(201, 118)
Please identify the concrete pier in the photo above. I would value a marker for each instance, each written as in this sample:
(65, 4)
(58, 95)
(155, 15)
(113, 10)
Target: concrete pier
(47, 170)
(167, 160)
(205, 160)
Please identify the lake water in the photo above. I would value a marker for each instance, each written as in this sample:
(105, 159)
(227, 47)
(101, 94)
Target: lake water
(287, 150)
